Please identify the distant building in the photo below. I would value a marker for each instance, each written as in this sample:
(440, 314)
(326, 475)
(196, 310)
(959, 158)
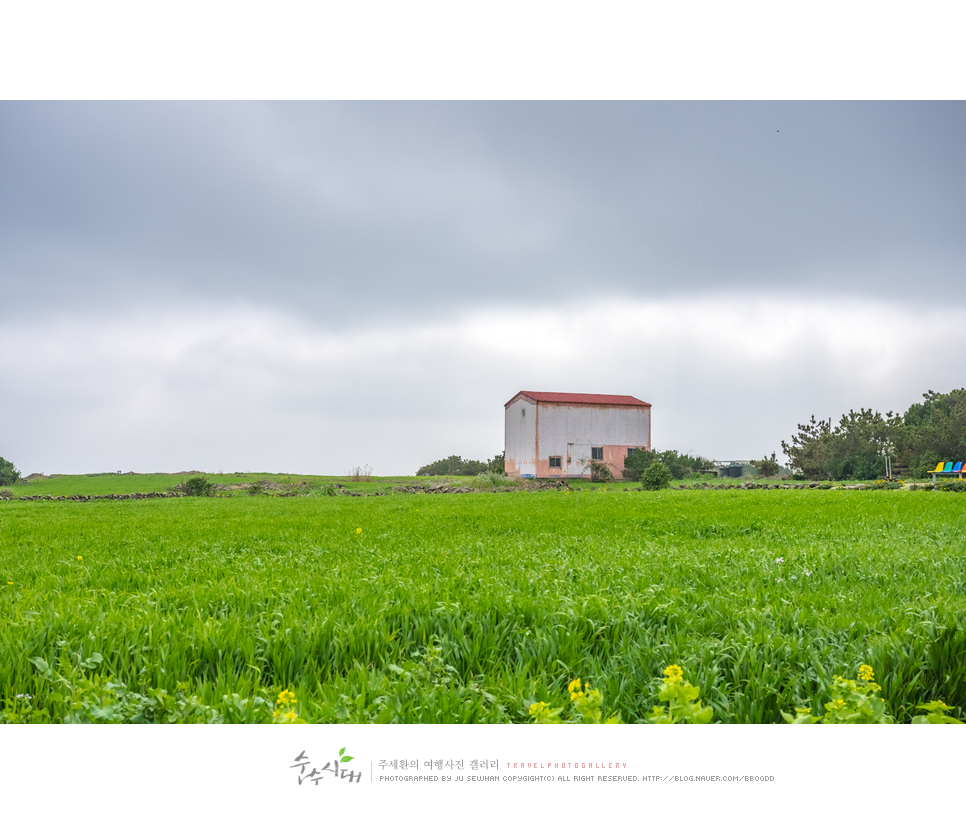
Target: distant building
(557, 434)
(735, 469)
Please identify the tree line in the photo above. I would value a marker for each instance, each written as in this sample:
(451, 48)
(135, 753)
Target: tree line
(927, 433)
(679, 464)
(458, 466)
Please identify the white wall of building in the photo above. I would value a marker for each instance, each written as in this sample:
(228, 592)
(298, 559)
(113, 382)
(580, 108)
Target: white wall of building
(521, 439)
(562, 424)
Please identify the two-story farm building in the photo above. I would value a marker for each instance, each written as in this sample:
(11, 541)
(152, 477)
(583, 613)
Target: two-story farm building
(557, 434)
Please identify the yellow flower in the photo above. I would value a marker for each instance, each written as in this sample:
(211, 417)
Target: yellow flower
(80, 558)
(286, 698)
(575, 689)
(358, 531)
(866, 674)
(537, 708)
(673, 674)
(9, 583)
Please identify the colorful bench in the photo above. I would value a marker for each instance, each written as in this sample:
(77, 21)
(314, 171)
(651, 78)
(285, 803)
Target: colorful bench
(947, 468)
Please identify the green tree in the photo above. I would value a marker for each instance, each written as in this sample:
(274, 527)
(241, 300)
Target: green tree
(933, 430)
(853, 449)
(454, 466)
(809, 450)
(497, 464)
(767, 466)
(8, 473)
(860, 441)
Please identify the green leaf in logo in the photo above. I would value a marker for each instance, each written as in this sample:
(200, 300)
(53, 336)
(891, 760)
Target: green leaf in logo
(342, 751)
(345, 759)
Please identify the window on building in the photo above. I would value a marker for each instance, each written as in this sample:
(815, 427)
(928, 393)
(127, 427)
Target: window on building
(597, 453)
(631, 451)
(523, 412)
(555, 461)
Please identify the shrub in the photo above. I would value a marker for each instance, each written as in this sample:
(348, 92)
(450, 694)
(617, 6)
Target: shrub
(599, 471)
(198, 486)
(952, 485)
(255, 489)
(656, 477)
(8, 473)
(885, 484)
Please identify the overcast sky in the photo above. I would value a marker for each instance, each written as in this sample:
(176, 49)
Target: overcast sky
(309, 287)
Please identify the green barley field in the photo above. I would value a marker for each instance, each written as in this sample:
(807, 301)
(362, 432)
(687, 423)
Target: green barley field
(471, 607)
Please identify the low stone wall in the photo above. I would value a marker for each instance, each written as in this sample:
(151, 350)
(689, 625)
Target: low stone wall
(109, 497)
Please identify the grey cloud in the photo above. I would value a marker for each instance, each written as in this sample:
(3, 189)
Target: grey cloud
(345, 211)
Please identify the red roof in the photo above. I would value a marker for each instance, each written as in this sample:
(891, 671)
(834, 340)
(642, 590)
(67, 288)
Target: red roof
(576, 397)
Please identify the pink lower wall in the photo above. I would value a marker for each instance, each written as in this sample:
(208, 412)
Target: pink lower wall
(614, 456)
(544, 471)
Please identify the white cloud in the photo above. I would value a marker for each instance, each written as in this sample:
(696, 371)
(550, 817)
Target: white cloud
(245, 388)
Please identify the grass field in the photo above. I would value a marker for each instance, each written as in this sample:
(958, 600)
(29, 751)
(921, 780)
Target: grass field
(106, 483)
(469, 608)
